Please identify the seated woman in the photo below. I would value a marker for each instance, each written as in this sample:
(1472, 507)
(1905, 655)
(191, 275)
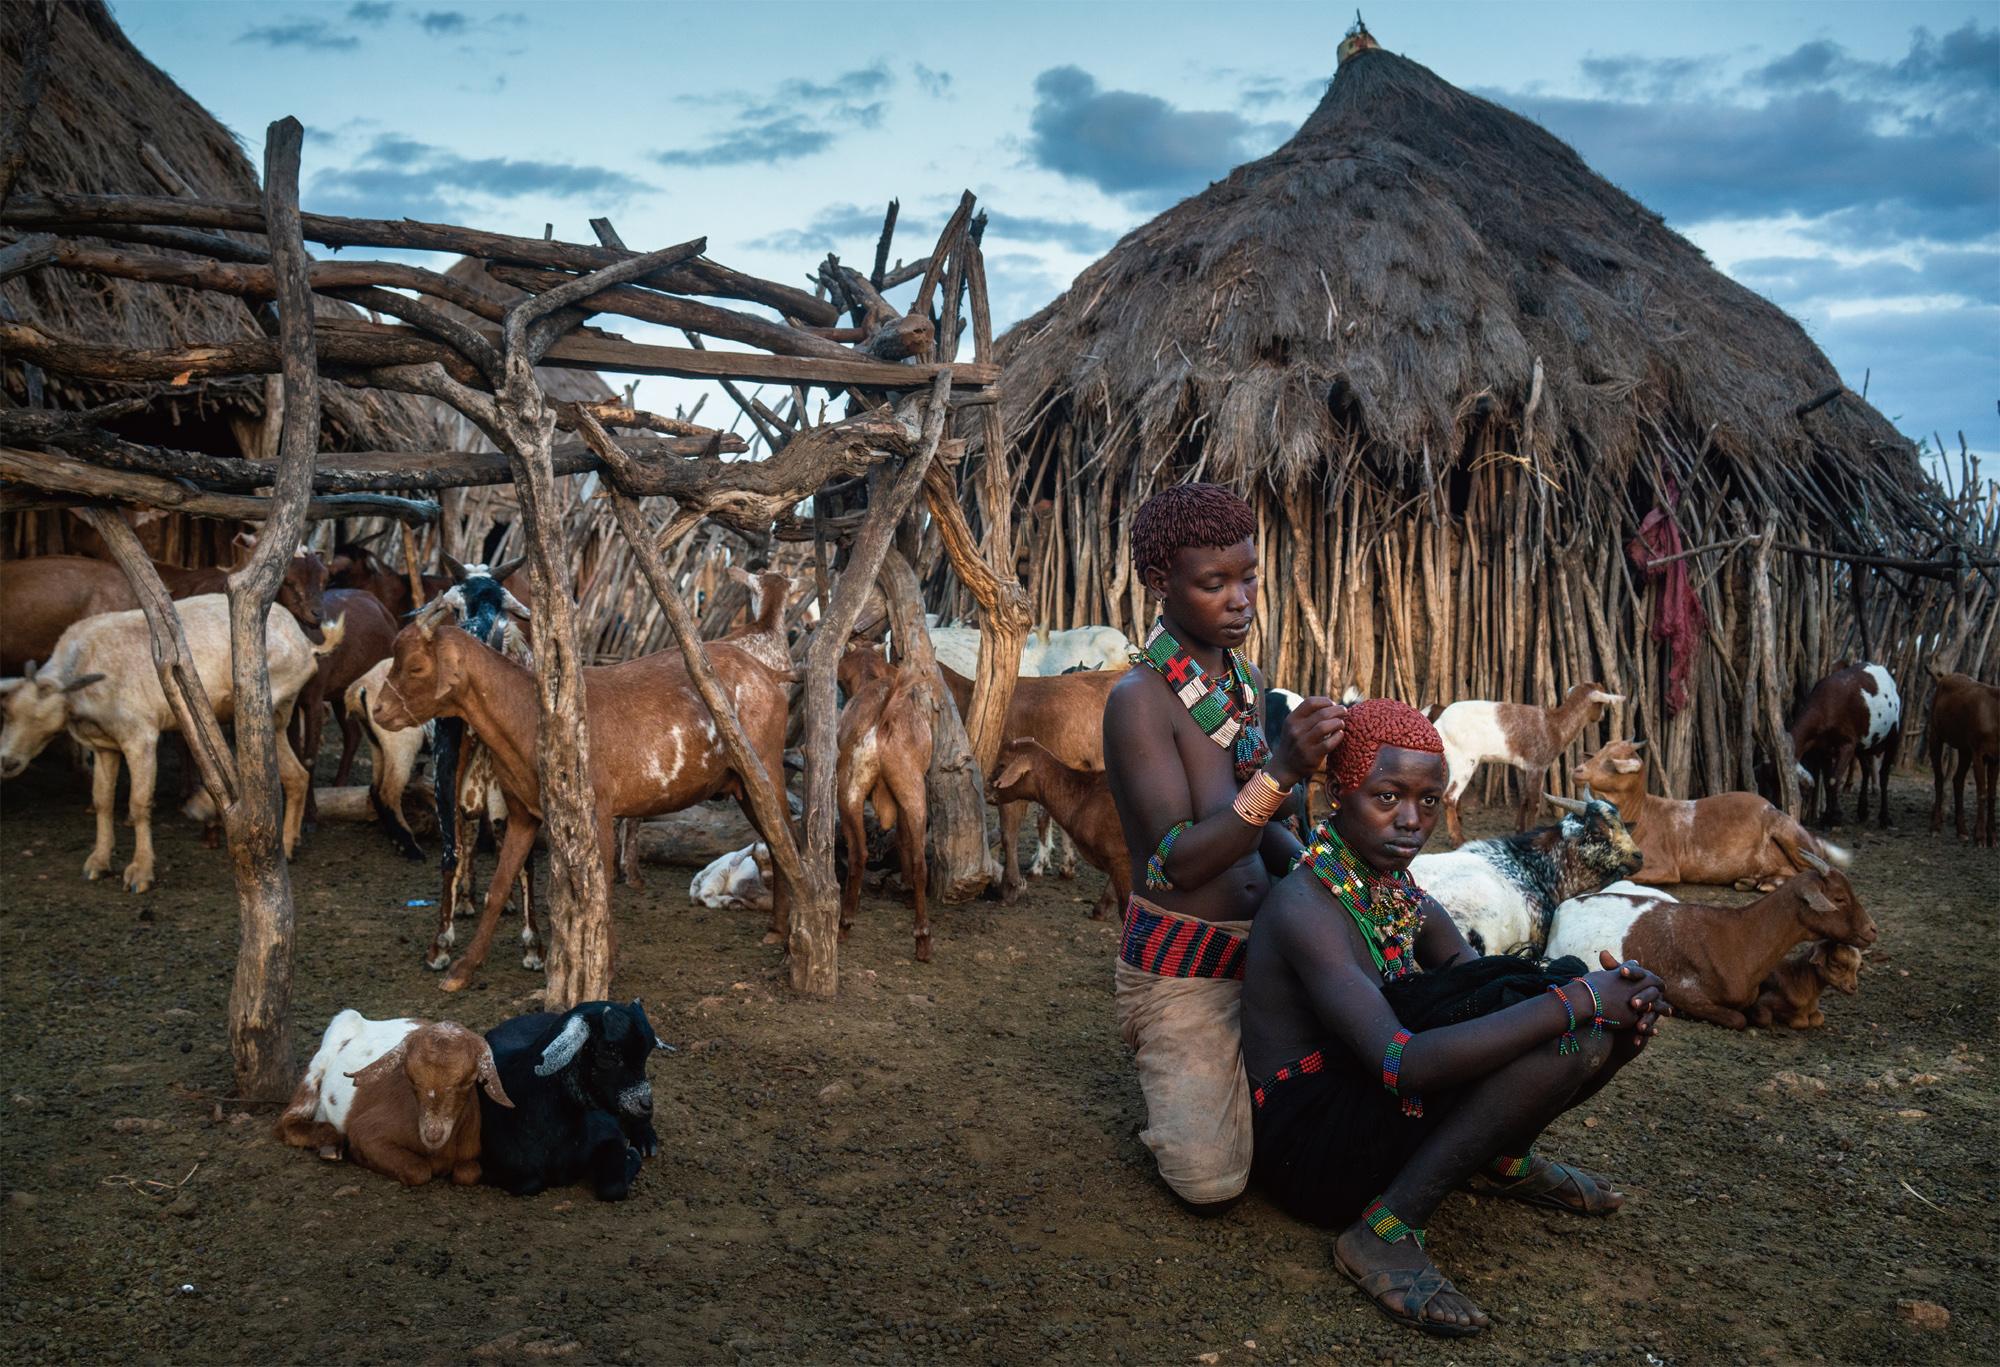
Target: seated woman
(1390, 1064)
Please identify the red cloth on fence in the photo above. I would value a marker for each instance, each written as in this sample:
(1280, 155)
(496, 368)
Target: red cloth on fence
(1677, 616)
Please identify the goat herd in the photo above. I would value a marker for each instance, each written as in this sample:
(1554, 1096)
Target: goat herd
(549, 1099)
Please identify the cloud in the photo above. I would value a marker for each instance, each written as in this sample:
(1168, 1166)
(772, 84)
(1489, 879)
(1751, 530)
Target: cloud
(936, 84)
(796, 119)
(1963, 275)
(399, 176)
(1926, 371)
(306, 33)
(444, 21)
(370, 11)
(851, 228)
(1869, 152)
(1136, 145)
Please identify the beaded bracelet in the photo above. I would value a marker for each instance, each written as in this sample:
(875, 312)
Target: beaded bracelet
(1258, 800)
(1392, 1064)
(1596, 1005)
(1156, 867)
(1567, 1043)
(1387, 1227)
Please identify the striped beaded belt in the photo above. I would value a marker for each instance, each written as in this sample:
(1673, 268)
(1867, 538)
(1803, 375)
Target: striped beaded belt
(1179, 946)
(1312, 1063)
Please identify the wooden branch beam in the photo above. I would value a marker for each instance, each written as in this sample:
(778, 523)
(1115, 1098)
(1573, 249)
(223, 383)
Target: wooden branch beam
(62, 475)
(30, 253)
(363, 345)
(92, 214)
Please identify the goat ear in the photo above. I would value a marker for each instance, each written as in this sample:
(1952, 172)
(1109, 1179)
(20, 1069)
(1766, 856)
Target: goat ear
(564, 1047)
(1628, 766)
(83, 681)
(1011, 772)
(382, 1067)
(515, 607)
(1818, 954)
(1817, 900)
(489, 1077)
(743, 577)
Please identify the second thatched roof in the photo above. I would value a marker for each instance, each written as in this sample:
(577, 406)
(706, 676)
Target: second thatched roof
(1416, 264)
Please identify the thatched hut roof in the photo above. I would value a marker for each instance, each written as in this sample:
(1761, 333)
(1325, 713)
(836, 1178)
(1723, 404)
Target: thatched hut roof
(1391, 280)
(103, 111)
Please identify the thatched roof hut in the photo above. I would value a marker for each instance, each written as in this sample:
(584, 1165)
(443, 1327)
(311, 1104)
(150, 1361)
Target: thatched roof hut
(110, 122)
(1455, 370)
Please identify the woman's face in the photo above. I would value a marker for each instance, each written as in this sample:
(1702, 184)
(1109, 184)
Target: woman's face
(1389, 817)
(1210, 592)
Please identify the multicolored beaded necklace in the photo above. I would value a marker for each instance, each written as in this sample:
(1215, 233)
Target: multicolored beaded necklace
(1226, 713)
(1388, 908)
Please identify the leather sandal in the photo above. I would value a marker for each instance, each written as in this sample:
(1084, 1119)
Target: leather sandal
(1550, 1183)
(1414, 1289)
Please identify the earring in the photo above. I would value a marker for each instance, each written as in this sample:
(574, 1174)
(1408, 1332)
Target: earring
(1333, 806)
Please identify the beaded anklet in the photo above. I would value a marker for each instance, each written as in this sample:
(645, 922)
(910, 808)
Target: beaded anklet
(1392, 1064)
(1387, 1227)
(1503, 1166)
(1156, 867)
(1566, 1043)
(1596, 1006)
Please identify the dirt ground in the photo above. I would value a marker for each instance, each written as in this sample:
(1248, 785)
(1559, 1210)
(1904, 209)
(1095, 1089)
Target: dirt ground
(941, 1164)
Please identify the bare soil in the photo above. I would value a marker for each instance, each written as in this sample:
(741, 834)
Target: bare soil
(941, 1164)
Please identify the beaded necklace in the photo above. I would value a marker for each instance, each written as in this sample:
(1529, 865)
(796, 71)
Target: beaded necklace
(1226, 712)
(1388, 908)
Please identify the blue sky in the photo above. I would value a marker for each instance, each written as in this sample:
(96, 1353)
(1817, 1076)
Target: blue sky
(1841, 158)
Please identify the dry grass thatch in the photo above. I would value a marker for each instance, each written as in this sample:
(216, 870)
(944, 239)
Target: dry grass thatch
(103, 104)
(1454, 370)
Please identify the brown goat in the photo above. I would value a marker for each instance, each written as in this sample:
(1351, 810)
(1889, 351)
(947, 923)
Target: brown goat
(654, 748)
(1080, 801)
(1731, 838)
(1522, 735)
(1965, 716)
(356, 566)
(1065, 712)
(1714, 960)
(1791, 994)
(43, 596)
(885, 754)
(368, 633)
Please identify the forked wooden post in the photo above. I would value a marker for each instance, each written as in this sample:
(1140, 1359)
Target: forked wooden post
(1775, 735)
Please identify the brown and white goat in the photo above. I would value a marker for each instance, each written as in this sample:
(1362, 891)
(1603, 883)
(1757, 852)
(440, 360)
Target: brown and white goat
(1965, 717)
(1527, 737)
(392, 759)
(1853, 715)
(102, 686)
(43, 596)
(1066, 714)
(1790, 996)
(885, 753)
(1714, 960)
(1080, 801)
(367, 632)
(399, 1094)
(1731, 838)
(653, 746)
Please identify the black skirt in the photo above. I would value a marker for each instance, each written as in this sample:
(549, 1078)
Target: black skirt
(1328, 1140)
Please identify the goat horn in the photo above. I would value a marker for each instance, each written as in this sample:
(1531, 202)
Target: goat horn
(1637, 746)
(564, 1047)
(505, 569)
(1814, 862)
(1566, 804)
(452, 567)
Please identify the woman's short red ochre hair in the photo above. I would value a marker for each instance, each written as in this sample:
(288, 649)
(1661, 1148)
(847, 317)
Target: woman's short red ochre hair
(1188, 515)
(1371, 724)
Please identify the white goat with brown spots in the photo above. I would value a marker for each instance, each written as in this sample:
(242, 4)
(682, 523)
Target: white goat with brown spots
(1522, 735)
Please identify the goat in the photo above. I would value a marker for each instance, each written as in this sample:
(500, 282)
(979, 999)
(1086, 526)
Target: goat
(1731, 838)
(1044, 653)
(1066, 714)
(1080, 801)
(367, 633)
(356, 566)
(582, 1105)
(1502, 893)
(654, 747)
(1714, 960)
(1790, 996)
(1853, 714)
(102, 686)
(410, 1112)
(1528, 737)
(392, 759)
(740, 879)
(43, 596)
(884, 755)
(1965, 715)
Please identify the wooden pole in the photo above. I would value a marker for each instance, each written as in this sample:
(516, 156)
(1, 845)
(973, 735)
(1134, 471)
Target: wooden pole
(1776, 737)
(260, 1037)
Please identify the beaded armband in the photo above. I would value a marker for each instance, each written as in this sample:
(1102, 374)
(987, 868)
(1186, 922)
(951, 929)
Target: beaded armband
(1258, 800)
(1156, 867)
(1392, 1064)
(1566, 1044)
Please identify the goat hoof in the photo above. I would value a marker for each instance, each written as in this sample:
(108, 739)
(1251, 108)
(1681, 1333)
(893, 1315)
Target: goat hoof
(92, 870)
(923, 949)
(453, 983)
(532, 961)
(771, 937)
(137, 879)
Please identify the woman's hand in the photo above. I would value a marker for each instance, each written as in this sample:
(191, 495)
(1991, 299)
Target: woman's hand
(1311, 733)
(1633, 998)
